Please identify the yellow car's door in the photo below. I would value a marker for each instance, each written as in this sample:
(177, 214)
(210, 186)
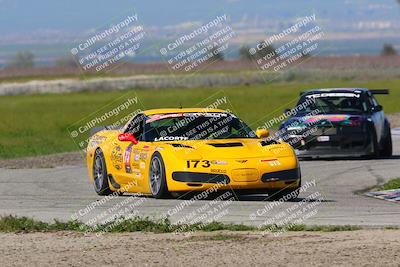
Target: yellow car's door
(133, 158)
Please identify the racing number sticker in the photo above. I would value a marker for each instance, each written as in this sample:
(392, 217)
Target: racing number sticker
(127, 159)
(195, 163)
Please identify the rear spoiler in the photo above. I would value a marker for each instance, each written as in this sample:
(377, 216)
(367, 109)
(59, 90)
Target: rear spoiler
(380, 91)
(373, 91)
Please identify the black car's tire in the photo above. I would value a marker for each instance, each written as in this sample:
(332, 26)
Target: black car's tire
(157, 177)
(100, 176)
(387, 148)
(375, 144)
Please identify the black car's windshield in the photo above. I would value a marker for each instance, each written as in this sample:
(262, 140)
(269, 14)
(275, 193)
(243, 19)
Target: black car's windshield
(332, 103)
(195, 126)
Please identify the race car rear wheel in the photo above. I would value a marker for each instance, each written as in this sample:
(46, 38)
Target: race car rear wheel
(157, 179)
(100, 180)
(387, 148)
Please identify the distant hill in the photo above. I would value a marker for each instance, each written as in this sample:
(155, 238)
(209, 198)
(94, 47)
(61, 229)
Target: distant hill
(48, 27)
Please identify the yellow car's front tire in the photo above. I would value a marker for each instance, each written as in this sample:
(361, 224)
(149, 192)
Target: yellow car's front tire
(157, 177)
(100, 179)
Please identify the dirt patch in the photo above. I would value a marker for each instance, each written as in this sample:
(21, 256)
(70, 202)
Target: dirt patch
(48, 161)
(364, 247)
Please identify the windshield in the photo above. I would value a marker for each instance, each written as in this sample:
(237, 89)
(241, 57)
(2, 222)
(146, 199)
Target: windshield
(195, 126)
(332, 103)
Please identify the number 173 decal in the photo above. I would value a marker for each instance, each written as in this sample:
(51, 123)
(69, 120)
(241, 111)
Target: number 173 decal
(195, 163)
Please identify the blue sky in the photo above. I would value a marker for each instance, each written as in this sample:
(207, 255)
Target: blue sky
(20, 16)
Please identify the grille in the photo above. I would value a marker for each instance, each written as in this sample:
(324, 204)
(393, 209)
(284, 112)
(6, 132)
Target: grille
(197, 177)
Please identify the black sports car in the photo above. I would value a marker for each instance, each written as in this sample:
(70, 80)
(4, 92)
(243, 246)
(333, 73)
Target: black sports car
(338, 122)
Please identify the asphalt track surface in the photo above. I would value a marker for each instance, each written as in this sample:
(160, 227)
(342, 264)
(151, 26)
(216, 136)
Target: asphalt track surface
(64, 193)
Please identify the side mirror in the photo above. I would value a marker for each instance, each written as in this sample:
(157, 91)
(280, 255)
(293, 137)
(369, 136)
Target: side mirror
(127, 137)
(262, 133)
(377, 108)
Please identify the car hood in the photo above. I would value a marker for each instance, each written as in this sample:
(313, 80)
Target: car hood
(322, 120)
(228, 149)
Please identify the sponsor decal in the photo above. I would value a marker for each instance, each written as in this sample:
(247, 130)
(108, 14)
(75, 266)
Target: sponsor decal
(163, 116)
(142, 165)
(330, 118)
(177, 115)
(218, 171)
(117, 157)
(96, 140)
(138, 175)
(171, 138)
(323, 138)
(241, 160)
(333, 95)
(127, 159)
(143, 156)
(205, 114)
(272, 179)
(271, 162)
(146, 148)
(219, 162)
(137, 157)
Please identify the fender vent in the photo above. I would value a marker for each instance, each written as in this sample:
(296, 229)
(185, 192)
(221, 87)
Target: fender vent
(268, 142)
(225, 144)
(180, 145)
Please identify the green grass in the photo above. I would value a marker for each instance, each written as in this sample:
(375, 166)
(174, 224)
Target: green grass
(23, 224)
(38, 124)
(392, 184)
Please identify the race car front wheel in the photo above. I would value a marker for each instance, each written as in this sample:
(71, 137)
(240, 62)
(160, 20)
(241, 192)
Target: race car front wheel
(100, 180)
(157, 179)
(387, 148)
(375, 145)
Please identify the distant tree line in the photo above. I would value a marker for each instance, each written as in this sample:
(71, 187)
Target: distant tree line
(388, 50)
(26, 59)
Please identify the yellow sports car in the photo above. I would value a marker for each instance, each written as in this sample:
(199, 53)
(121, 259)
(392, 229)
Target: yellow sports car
(179, 150)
